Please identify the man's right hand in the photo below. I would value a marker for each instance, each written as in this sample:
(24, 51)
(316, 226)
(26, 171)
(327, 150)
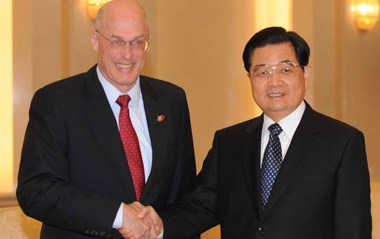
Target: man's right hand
(134, 227)
(140, 222)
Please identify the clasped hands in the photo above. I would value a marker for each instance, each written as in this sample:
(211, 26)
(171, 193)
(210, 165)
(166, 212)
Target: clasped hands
(140, 222)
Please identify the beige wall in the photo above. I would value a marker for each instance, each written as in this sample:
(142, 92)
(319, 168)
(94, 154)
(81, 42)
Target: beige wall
(345, 62)
(198, 45)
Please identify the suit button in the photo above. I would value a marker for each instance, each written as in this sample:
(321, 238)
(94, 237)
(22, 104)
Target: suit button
(260, 230)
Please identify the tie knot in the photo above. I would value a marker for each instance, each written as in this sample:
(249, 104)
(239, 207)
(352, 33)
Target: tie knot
(275, 129)
(123, 100)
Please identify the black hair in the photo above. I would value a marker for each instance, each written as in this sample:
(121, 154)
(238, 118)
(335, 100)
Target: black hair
(276, 35)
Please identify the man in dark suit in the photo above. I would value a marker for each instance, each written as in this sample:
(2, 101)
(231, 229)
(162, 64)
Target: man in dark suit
(320, 187)
(74, 174)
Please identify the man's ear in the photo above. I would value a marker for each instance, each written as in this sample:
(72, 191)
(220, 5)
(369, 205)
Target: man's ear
(307, 73)
(94, 41)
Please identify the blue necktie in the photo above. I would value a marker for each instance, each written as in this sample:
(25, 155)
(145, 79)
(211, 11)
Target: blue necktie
(271, 163)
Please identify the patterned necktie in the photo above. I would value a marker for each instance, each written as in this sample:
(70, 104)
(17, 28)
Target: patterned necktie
(271, 163)
(131, 146)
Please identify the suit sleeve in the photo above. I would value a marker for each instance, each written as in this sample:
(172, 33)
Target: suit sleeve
(44, 191)
(352, 198)
(185, 171)
(198, 211)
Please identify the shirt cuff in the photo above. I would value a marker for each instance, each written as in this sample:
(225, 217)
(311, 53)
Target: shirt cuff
(161, 236)
(118, 222)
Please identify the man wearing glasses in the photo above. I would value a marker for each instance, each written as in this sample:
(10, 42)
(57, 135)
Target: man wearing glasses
(101, 144)
(291, 173)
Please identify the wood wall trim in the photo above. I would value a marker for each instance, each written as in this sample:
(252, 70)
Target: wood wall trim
(7, 200)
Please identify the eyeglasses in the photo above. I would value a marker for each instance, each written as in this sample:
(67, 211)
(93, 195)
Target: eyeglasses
(119, 44)
(284, 68)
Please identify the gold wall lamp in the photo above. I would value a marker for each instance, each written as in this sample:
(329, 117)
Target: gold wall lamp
(366, 13)
(93, 7)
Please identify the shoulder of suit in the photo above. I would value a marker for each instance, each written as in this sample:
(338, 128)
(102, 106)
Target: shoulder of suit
(69, 87)
(242, 127)
(160, 87)
(70, 83)
(158, 82)
(332, 125)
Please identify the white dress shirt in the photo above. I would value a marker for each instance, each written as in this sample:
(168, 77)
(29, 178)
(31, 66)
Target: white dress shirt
(288, 124)
(138, 118)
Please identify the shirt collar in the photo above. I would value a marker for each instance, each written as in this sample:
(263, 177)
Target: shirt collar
(288, 124)
(113, 93)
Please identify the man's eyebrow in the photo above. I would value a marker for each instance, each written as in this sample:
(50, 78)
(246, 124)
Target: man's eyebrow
(259, 65)
(283, 61)
(121, 38)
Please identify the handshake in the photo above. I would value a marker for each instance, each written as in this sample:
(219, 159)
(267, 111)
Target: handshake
(140, 222)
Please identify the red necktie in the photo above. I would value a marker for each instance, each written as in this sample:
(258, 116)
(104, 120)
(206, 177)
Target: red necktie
(131, 146)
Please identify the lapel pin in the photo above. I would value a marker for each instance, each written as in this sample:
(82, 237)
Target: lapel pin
(160, 118)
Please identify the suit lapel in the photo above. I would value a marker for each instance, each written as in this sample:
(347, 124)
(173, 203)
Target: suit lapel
(157, 128)
(251, 160)
(301, 149)
(104, 125)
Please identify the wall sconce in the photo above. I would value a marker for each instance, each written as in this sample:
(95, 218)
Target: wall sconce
(366, 13)
(93, 7)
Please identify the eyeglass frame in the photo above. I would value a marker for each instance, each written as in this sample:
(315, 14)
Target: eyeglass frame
(122, 43)
(273, 68)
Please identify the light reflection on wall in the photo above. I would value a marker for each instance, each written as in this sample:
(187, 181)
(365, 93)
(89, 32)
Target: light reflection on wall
(272, 13)
(6, 101)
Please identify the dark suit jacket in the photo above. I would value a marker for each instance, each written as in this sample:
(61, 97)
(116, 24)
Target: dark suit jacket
(74, 174)
(321, 192)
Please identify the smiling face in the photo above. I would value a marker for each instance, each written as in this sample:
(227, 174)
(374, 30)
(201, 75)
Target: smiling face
(125, 21)
(277, 95)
